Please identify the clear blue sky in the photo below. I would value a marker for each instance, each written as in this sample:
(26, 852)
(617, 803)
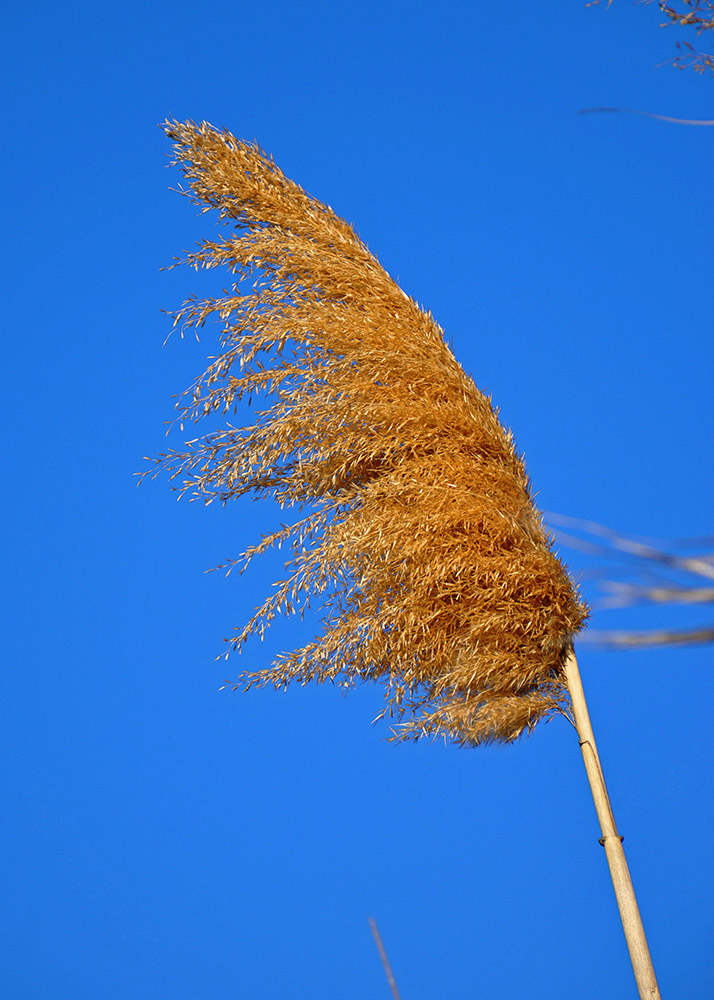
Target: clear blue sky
(166, 841)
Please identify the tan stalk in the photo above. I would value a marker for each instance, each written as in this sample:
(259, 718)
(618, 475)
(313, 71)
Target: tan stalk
(611, 839)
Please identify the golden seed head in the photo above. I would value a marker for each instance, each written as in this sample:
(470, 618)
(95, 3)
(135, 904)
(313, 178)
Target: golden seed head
(418, 531)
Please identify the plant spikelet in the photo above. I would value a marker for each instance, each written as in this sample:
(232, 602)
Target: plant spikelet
(417, 530)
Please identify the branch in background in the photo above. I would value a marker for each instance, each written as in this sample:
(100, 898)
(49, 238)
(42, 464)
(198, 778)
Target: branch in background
(697, 14)
(654, 574)
(692, 58)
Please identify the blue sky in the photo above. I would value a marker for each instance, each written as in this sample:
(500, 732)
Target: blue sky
(167, 840)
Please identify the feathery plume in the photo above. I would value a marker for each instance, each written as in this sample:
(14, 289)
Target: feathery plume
(418, 530)
(419, 533)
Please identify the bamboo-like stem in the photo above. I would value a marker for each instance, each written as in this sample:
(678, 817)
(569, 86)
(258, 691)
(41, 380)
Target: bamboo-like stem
(611, 840)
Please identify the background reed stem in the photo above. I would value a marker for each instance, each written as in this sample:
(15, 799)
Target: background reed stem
(383, 955)
(611, 840)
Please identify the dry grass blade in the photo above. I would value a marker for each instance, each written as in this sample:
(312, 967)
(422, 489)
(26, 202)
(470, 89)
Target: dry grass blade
(648, 639)
(650, 114)
(631, 572)
(418, 531)
(383, 955)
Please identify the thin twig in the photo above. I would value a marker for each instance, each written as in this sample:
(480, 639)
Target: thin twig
(383, 955)
(660, 574)
(649, 114)
(701, 564)
(642, 640)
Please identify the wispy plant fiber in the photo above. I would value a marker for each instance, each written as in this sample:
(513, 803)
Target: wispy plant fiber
(633, 571)
(418, 531)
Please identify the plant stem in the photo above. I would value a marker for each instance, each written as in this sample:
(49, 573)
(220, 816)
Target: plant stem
(611, 840)
(383, 955)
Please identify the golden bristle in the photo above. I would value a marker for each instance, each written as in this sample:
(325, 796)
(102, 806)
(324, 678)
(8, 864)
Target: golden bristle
(419, 533)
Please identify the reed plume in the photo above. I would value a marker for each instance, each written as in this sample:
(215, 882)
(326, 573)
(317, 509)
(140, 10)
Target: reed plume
(418, 530)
